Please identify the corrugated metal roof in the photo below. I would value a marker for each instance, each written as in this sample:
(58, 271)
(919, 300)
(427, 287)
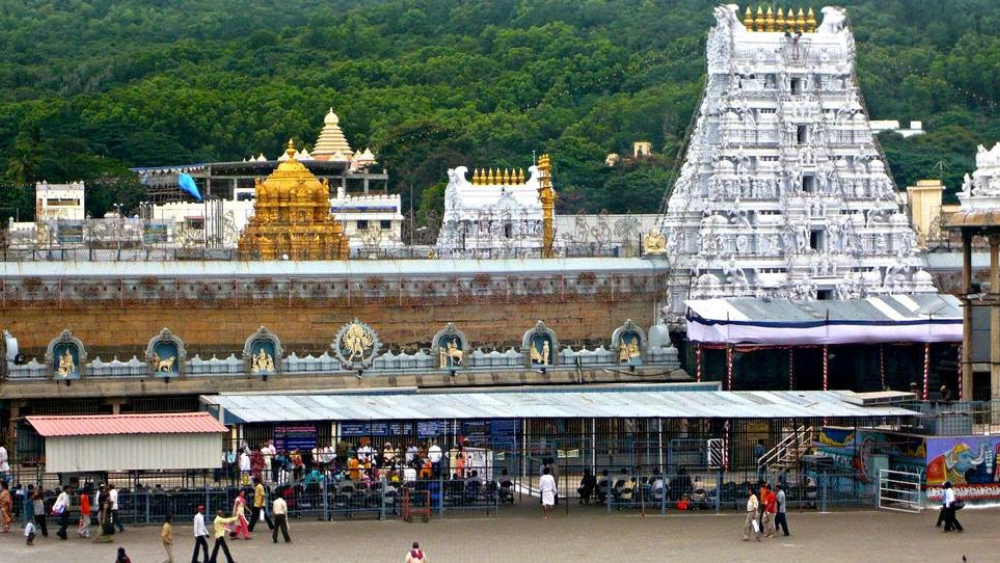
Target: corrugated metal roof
(182, 423)
(564, 404)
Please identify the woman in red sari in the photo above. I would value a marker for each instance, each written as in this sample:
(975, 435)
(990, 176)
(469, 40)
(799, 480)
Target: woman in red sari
(239, 511)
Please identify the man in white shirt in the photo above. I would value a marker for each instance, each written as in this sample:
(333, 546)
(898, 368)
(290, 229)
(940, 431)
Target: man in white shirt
(434, 455)
(61, 509)
(751, 524)
(268, 458)
(200, 535)
(547, 489)
(364, 454)
(280, 510)
(115, 520)
(244, 468)
(409, 474)
(4, 463)
(950, 521)
(411, 454)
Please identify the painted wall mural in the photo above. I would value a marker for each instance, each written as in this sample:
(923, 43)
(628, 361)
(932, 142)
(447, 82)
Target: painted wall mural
(969, 462)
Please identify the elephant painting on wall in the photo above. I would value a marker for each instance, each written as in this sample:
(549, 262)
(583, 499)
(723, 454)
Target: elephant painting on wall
(968, 460)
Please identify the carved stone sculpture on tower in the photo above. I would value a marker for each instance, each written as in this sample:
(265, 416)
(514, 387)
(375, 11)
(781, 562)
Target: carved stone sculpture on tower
(782, 147)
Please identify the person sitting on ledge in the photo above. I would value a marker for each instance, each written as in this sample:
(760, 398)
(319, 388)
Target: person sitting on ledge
(587, 485)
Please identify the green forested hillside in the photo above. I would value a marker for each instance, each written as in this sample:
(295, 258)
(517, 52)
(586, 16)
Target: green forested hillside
(90, 88)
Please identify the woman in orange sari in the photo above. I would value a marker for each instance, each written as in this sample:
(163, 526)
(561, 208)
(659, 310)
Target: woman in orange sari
(6, 507)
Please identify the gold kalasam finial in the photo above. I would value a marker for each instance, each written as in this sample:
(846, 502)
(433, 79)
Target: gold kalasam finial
(475, 176)
(490, 178)
(748, 19)
(779, 21)
(520, 175)
(800, 21)
(290, 151)
(769, 20)
(811, 21)
(506, 177)
(758, 22)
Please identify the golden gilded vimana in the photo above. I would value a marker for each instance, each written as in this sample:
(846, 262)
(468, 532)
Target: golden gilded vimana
(292, 217)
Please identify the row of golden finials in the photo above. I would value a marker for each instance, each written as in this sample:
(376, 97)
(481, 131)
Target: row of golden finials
(483, 177)
(803, 22)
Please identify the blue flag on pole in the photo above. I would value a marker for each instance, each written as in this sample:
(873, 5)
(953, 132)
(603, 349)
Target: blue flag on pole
(186, 183)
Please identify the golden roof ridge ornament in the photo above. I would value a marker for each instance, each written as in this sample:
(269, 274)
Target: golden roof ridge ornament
(548, 197)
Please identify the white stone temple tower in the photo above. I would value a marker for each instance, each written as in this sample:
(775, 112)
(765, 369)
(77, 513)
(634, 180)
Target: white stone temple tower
(784, 190)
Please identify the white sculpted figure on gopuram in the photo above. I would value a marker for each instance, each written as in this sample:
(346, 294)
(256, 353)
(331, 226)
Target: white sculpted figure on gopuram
(784, 191)
(981, 191)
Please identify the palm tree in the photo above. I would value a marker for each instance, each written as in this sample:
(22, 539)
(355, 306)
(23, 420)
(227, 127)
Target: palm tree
(22, 166)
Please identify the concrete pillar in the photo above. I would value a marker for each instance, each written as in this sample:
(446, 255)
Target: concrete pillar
(994, 315)
(966, 315)
(15, 413)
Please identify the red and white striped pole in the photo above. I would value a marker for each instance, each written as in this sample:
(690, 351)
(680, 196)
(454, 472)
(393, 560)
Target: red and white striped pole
(960, 372)
(826, 367)
(729, 368)
(927, 371)
(697, 362)
(881, 365)
(791, 369)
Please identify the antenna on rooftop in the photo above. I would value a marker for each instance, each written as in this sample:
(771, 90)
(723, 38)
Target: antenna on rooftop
(941, 166)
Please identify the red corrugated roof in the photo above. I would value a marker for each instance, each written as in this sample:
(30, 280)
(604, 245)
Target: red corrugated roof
(181, 423)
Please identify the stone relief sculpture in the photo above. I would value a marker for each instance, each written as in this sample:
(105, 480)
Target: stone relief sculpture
(356, 344)
(66, 364)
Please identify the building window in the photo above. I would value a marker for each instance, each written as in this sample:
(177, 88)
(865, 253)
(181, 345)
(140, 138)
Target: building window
(508, 230)
(63, 202)
(817, 240)
(808, 183)
(194, 223)
(796, 86)
(801, 135)
(824, 295)
(385, 224)
(362, 225)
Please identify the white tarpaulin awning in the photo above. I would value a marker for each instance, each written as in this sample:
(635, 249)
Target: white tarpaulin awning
(769, 321)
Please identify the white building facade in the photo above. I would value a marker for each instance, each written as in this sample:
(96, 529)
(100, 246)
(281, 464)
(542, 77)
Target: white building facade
(783, 191)
(495, 215)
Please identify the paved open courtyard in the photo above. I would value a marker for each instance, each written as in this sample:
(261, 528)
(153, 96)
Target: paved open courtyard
(519, 535)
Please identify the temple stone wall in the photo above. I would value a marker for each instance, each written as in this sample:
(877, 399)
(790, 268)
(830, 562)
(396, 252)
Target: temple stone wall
(127, 330)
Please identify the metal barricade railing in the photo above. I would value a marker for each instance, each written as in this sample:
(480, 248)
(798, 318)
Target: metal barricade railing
(901, 491)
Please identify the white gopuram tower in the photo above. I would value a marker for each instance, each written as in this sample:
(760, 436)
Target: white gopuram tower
(784, 191)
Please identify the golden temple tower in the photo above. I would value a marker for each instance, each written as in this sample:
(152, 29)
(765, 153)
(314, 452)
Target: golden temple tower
(548, 197)
(292, 217)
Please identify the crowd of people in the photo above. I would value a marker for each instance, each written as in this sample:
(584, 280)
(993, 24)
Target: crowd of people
(364, 463)
(634, 487)
(69, 507)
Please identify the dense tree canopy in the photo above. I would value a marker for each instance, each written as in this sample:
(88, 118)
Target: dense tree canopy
(90, 88)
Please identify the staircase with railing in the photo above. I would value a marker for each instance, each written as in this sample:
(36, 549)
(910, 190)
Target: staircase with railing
(789, 451)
